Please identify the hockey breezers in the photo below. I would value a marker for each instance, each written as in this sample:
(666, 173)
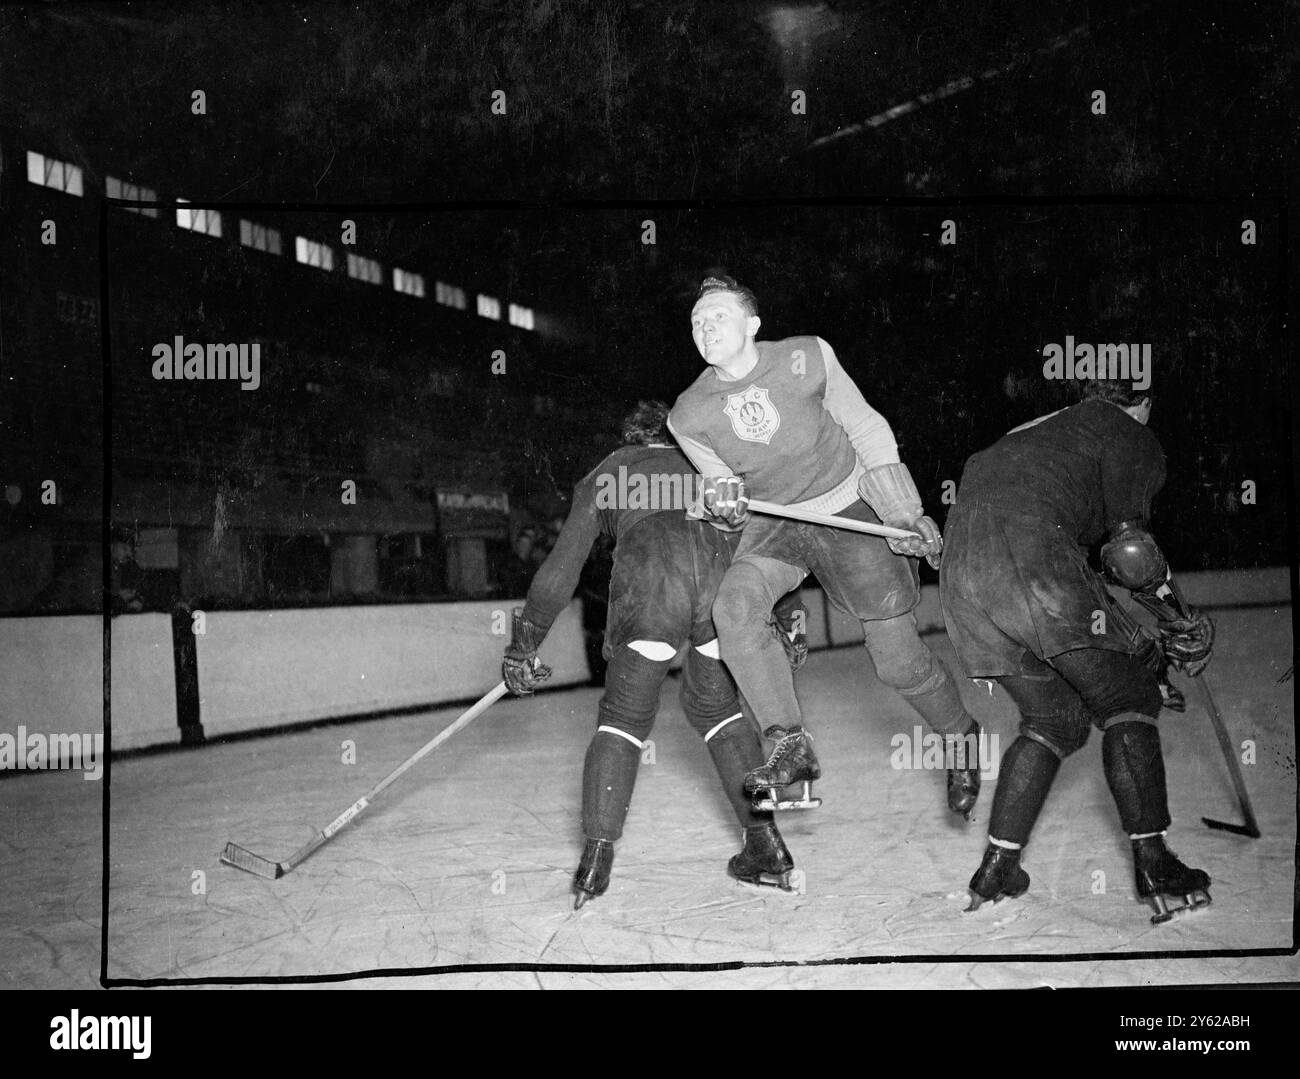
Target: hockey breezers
(264, 867)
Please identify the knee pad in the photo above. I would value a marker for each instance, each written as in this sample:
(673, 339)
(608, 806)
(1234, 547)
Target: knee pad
(1137, 695)
(708, 694)
(744, 599)
(631, 697)
(1051, 712)
(901, 659)
(1061, 740)
(1064, 730)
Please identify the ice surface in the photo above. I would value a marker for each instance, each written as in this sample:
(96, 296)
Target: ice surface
(468, 859)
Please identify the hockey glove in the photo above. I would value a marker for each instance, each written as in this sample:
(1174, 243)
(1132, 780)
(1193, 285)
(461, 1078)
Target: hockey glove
(521, 670)
(929, 545)
(1188, 642)
(725, 498)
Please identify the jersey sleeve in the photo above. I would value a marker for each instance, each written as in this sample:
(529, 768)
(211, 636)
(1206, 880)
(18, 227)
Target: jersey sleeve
(869, 431)
(1132, 473)
(710, 466)
(556, 580)
(706, 462)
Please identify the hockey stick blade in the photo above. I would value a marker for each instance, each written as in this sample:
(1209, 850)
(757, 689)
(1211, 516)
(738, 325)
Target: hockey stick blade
(237, 856)
(1235, 829)
(251, 863)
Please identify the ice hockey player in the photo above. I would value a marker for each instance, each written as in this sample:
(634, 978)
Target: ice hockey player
(781, 421)
(1024, 608)
(667, 569)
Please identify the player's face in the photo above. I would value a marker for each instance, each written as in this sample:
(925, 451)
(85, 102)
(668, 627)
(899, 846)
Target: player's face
(721, 327)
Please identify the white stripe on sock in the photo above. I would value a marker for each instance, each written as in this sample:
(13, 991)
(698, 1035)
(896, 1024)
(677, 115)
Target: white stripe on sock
(719, 727)
(621, 734)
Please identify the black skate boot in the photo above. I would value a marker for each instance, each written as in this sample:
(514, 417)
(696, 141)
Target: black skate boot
(998, 877)
(764, 859)
(592, 878)
(964, 774)
(792, 761)
(1160, 875)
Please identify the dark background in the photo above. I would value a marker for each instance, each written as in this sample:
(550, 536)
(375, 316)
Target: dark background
(681, 115)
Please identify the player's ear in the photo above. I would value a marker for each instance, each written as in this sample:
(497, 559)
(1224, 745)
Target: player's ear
(751, 325)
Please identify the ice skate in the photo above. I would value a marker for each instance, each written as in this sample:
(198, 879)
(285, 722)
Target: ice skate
(998, 877)
(1161, 877)
(964, 782)
(592, 878)
(764, 859)
(792, 762)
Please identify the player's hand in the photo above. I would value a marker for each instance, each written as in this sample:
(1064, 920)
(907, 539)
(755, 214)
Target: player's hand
(725, 497)
(523, 674)
(1188, 642)
(521, 670)
(927, 544)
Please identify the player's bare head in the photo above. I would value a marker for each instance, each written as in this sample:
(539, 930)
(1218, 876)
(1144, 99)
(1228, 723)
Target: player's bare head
(647, 424)
(1120, 392)
(724, 321)
(744, 297)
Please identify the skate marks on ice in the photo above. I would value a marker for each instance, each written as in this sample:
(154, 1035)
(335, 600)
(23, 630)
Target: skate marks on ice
(469, 859)
(50, 890)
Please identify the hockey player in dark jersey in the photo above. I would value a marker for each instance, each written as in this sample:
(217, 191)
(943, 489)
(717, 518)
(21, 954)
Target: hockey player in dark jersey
(781, 421)
(1024, 608)
(667, 569)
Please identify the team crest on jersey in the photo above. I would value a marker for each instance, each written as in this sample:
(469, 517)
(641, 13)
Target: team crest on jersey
(753, 416)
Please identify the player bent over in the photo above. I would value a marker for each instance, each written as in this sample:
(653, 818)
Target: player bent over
(666, 571)
(781, 421)
(1022, 604)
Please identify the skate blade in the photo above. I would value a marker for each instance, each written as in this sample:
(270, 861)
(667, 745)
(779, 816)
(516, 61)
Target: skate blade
(977, 900)
(769, 880)
(1164, 912)
(767, 805)
(770, 800)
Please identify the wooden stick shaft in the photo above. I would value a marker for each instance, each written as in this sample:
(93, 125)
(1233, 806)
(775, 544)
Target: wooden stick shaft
(1230, 755)
(356, 808)
(816, 518)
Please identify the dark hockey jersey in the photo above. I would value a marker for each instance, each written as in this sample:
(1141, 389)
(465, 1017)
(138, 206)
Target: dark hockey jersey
(1015, 573)
(631, 484)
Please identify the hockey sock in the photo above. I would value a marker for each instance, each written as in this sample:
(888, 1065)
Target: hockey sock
(1024, 778)
(713, 709)
(737, 750)
(1135, 772)
(608, 777)
(626, 716)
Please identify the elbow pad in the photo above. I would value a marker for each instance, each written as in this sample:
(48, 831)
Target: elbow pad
(891, 492)
(1133, 558)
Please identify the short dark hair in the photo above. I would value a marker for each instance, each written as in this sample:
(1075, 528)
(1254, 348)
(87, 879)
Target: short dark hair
(729, 284)
(646, 423)
(1118, 391)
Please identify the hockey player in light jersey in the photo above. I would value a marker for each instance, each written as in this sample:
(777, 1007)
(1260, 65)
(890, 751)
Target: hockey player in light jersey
(781, 421)
(667, 568)
(1024, 608)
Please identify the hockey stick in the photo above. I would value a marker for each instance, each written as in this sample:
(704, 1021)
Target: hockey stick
(816, 518)
(1250, 828)
(263, 867)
